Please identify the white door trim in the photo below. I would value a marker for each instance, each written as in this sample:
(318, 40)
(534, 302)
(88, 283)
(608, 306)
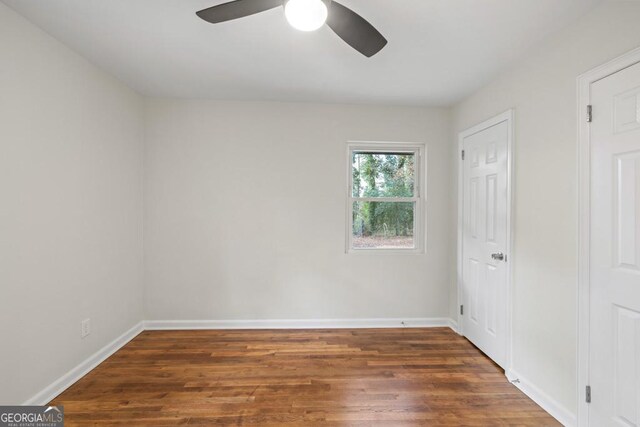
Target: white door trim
(507, 116)
(584, 221)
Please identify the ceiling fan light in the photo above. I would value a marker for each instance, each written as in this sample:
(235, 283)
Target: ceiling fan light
(306, 15)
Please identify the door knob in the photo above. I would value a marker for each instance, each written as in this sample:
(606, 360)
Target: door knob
(498, 256)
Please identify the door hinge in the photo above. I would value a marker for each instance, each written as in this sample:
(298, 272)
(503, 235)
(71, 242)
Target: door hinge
(588, 394)
(589, 113)
(462, 154)
(462, 310)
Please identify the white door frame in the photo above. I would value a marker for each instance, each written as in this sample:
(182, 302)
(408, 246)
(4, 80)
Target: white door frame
(584, 221)
(507, 116)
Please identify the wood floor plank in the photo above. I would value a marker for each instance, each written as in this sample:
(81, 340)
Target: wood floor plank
(394, 377)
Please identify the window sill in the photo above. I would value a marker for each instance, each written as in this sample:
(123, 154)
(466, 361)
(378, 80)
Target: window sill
(417, 251)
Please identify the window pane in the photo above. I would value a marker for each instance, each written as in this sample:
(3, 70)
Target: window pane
(383, 225)
(383, 174)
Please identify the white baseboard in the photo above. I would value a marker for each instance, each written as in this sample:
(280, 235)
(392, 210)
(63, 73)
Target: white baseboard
(61, 384)
(453, 325)
(158, 325)
(556, 410)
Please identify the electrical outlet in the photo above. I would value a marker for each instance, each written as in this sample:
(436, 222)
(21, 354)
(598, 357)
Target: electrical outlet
(85, 328)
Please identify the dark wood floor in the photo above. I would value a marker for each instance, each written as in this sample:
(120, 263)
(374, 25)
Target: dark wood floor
(394, 377)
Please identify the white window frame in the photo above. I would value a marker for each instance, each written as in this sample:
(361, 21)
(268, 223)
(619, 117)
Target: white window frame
(419, 150)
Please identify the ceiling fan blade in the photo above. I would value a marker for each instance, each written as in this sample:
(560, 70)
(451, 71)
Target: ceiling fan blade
(236, 9)
(355, 30)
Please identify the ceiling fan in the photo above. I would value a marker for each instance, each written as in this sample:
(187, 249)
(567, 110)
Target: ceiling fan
(307, 15)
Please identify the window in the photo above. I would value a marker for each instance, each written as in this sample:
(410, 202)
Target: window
(385, 197)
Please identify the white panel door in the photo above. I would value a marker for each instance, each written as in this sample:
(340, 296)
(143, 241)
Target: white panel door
(615, 250)
(484, 245)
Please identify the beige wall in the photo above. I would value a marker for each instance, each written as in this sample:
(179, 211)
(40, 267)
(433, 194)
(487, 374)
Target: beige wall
(542, 89)
(245, 213)
(71, 208)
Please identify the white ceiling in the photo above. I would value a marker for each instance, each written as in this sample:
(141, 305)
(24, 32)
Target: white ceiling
(438, 51)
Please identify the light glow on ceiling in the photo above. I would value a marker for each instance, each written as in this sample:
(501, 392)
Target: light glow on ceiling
(306, 15)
